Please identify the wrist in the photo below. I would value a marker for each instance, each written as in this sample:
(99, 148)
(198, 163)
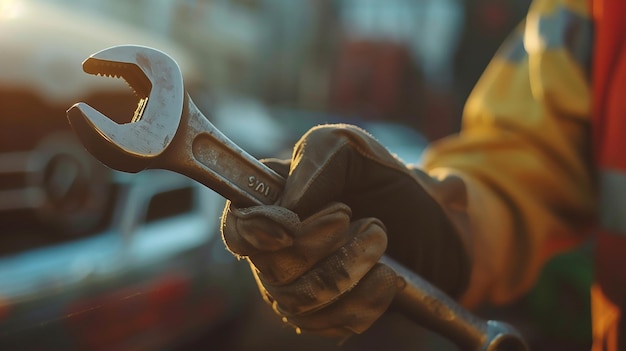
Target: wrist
(485, 228)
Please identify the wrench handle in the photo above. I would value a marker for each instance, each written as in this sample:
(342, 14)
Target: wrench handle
(431, 308)
(204, 154)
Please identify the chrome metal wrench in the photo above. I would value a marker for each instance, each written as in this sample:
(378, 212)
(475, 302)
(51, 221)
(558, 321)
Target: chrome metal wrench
(168, 131)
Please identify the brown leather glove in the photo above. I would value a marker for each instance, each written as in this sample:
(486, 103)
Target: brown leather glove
(346, 202)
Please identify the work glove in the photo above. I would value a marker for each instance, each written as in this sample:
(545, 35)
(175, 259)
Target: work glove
(347, 201)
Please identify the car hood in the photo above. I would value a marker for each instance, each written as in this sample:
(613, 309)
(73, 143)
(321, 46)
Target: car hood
(42, 47)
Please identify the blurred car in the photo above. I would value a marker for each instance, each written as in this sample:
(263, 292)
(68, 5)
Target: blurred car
(158, 274)
(90, 258)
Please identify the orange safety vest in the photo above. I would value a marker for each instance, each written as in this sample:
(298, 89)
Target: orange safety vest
(609, 133)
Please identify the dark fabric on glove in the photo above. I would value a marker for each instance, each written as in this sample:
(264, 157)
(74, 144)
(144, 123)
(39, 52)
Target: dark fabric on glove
(345, 164)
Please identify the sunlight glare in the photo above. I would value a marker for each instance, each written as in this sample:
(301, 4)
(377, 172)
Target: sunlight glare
(10, 9)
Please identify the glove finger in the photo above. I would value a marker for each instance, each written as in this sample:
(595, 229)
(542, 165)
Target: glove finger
(250, 230)
(336, 274)
(357, 310)
(313, 239)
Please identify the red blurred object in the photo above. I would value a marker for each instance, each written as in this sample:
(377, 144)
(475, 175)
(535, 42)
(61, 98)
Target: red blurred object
(380, 80)
(374, 80)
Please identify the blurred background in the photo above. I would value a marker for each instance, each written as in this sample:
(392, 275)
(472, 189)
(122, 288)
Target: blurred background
(93, 259)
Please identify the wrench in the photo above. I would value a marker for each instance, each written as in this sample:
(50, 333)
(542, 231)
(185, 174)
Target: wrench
(168, 131)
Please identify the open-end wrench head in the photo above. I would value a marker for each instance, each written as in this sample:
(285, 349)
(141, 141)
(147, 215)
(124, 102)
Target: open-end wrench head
(157, 81)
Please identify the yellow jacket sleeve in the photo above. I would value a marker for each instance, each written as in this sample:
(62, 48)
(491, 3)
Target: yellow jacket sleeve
(524, 151)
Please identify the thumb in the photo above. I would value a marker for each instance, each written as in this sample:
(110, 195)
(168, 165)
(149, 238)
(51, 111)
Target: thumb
(332, 163)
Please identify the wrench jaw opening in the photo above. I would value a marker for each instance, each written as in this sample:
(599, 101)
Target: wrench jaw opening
(156, 80)
(131, 73)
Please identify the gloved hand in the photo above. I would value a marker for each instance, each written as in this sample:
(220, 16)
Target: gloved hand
(346, 202)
